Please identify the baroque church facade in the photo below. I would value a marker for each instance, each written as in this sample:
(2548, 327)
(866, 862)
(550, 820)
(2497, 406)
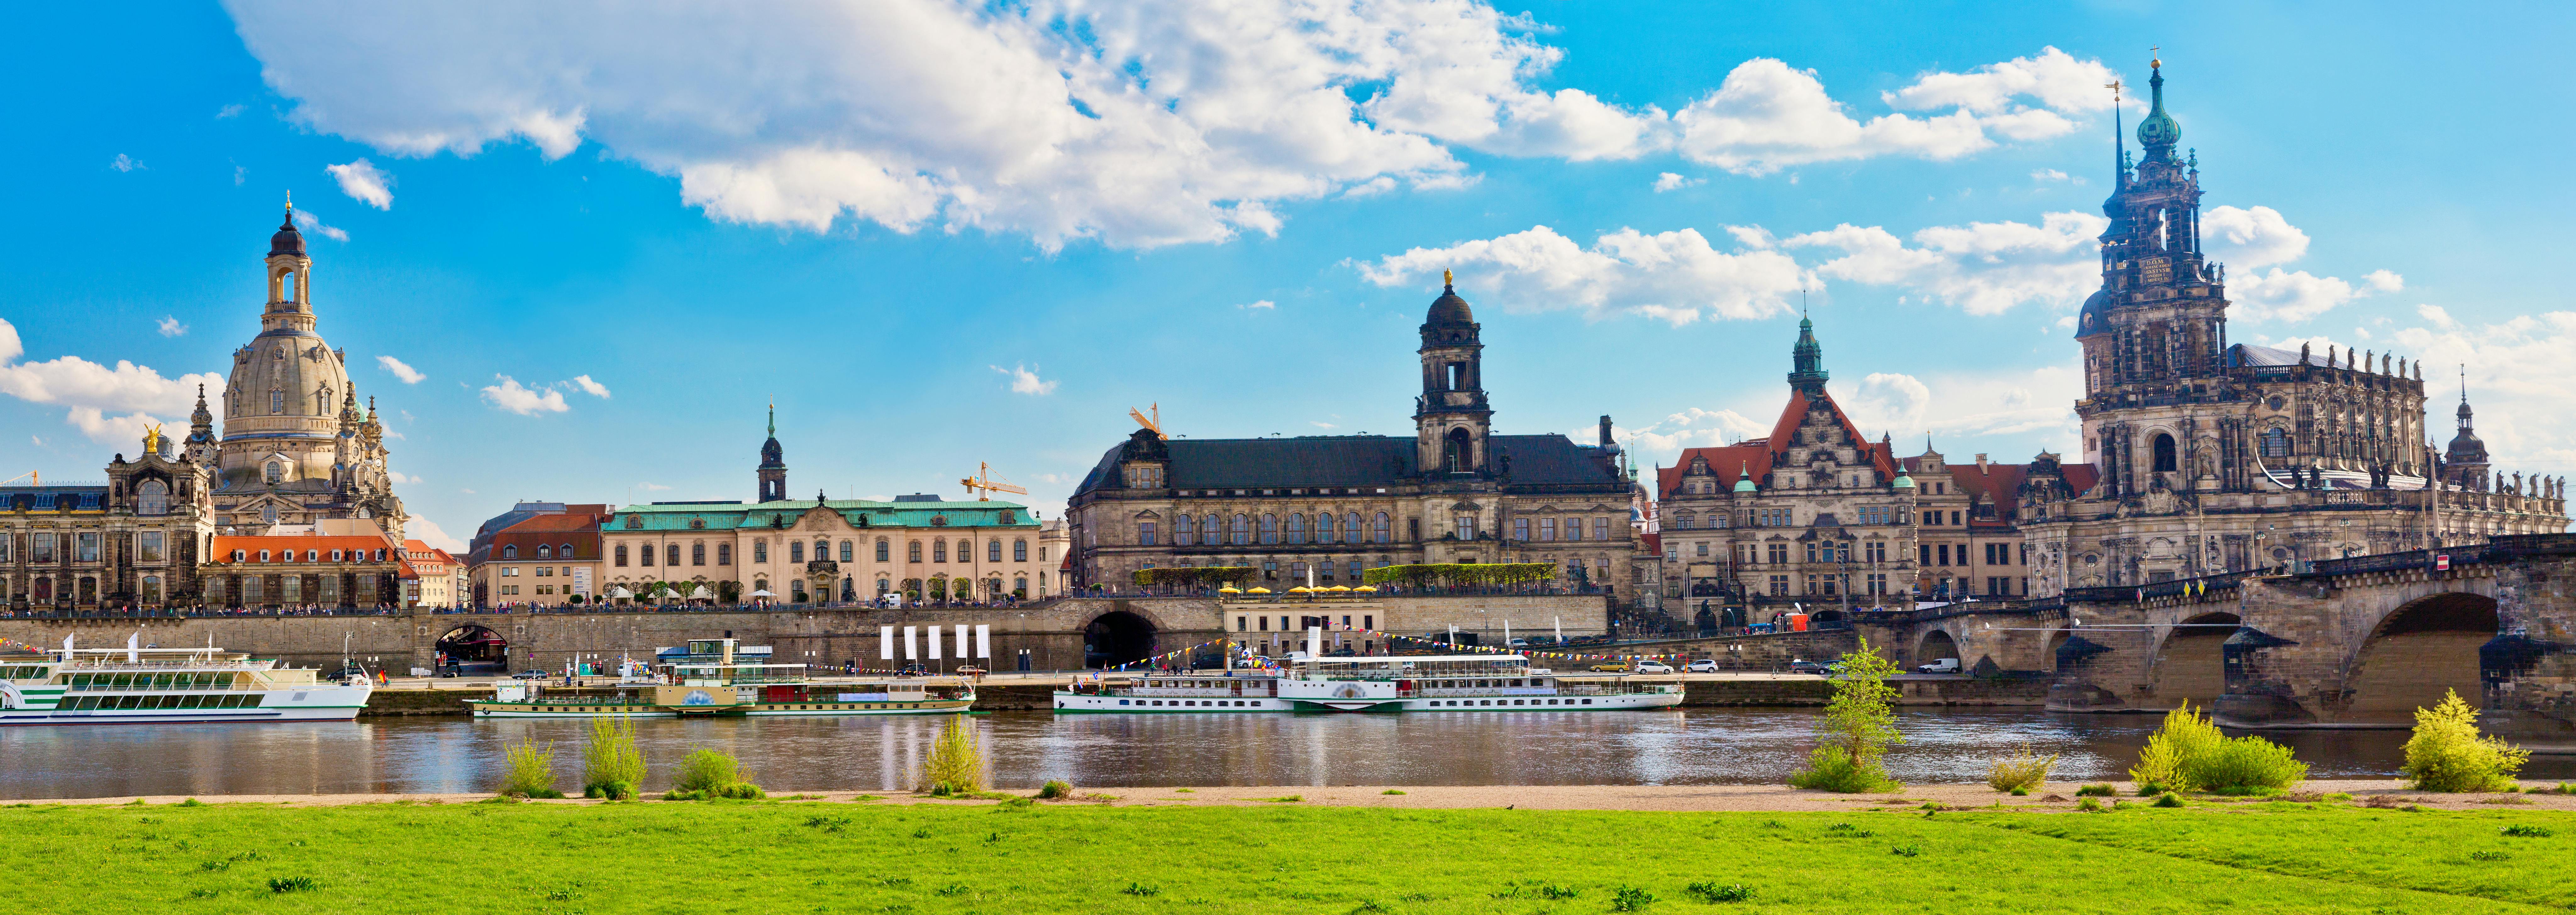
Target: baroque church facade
(2206, 457)
(295, 447)
(1326, 508)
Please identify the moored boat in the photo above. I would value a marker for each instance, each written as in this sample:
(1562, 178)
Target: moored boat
(1396, 683)
(711, 679)
(138, 685)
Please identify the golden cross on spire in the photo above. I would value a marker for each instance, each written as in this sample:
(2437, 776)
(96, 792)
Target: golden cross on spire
(2153, 58)
(2115, 86)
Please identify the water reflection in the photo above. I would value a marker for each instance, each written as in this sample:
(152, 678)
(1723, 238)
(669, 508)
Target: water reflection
(1712, 746)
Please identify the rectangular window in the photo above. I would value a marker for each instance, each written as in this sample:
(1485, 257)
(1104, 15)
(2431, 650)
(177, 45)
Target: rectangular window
(724, 554)
(1573, 528)
(1466, 527)
(88, 547)
(795, 551)
(149, 548)
(2025, 555)
(1779, 586)
(1703, 548)
(1600, 528)
(1547, 529)
(1779, 554)
(1520, 529)
(1144, 535)
(1811, 553)
(1926, 558)
(1943, 552)
(697, 554)
(44, 548)
(939, 551)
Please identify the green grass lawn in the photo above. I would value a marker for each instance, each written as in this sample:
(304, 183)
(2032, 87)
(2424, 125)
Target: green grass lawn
(798, 857)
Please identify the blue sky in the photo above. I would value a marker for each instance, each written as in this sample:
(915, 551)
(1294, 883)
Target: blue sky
(938, 236)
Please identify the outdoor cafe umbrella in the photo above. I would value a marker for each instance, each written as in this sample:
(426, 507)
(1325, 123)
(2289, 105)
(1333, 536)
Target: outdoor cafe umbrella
(1365, 588)
(620, 593)
(701, 593)
(764, 592)
(1258, 591)
(1229, 589)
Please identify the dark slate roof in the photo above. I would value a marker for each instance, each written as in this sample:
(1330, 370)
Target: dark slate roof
(1344, 460)
(2247, 354)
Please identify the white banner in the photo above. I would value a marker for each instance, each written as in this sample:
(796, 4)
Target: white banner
(909, 652)
(885, 643)
(935, 633)
(961, 642)
(581, 580)
(983, 640)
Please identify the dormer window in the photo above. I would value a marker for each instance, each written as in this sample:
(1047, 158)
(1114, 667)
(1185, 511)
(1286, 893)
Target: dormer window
(634, 522)
(509, 552)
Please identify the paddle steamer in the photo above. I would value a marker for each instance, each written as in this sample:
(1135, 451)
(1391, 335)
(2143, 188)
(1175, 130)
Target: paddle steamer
(710, 679)
(1441, 683)
(138, 685)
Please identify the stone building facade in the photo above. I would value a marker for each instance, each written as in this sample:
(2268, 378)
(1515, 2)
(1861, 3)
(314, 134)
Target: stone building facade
(133, 541)
(325, 567)
(1325, 508)
(295, 448)
(2214, 458)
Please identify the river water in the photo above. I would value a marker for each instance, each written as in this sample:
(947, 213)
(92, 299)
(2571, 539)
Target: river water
(1676, 747)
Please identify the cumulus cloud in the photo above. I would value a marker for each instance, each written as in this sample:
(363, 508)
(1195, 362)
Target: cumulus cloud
(1263, 305)
(400, 477)
(169, 326)
(306, 221)
(1670, 181)
(1972, 405)
(403, 371)
(1143, 124)
(2251, 237)
(228, 111)
(1983, 268)
(2286, 296)
(2518, 378)
(124, 163)
(1024, 380)
(592, 388)
(110, 405)
(1675, 277)
(526, 401)
(1690, 428)
(365, 183)
(427, 531)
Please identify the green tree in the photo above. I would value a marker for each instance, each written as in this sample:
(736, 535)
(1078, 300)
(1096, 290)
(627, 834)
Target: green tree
(1858, 726)
(2448, 754)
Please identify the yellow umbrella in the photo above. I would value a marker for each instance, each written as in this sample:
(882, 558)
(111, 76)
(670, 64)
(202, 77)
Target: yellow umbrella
(1258, 591)
(1301, 589)
(1338, 588)
(1365, 589)
(1229, 589)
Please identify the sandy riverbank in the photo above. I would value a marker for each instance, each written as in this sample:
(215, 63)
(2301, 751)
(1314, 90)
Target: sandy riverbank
(2058, 795)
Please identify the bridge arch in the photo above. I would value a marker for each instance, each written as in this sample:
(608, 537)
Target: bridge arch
(2190, 664)
(1117, 637)
(1935, 645)
(470, 646)
(2417, 651)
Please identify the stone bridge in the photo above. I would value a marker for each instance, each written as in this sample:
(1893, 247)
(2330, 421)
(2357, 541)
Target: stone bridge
(2358, 642)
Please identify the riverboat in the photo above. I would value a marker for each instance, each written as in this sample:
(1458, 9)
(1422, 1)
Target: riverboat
(137, 685)
(1443, 683)
(713, 683)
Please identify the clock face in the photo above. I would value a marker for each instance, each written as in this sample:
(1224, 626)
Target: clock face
(2276, 402)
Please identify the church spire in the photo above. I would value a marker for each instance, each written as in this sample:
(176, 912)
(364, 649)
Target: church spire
(1807, 360)
(2157, 132)
(773, 462)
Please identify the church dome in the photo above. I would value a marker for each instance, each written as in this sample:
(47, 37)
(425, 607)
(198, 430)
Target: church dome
(2158, 129)
(2095, 318)
(287, 240)
(1449, 309)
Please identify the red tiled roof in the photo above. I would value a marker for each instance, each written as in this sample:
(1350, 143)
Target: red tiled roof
(1754, 456)
(552, 523)
(2001, 483)
(281, 544)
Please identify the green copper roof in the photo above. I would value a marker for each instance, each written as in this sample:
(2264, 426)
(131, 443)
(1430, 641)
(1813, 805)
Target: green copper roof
(2157, 131)
(1744, 480)
(1903, 481)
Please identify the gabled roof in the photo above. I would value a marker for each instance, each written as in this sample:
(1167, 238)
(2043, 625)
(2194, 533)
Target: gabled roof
(2001, 483)
(1755, 455)
(1347, 460)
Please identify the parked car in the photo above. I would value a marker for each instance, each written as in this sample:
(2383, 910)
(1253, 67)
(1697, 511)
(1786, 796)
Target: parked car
(530, 674)
(1654, 667)
(1613, 667)
(1520, 643)
(345, 673)
(1810, 667)
(1702, 666)
(969, 670)
(1943, 666)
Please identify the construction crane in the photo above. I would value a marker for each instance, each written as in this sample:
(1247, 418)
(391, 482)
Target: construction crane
(983, 480)
(32, 477)
(1154, 422)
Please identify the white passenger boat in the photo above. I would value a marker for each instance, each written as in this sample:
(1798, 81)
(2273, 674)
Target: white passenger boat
(136, 685)
(711, 679)
(1397, 683)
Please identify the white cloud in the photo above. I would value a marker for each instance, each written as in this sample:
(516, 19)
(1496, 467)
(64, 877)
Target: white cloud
(1670, 181)
(1983, 268)
(169, 326)
(1971, 405)
(1024, 380)
(110, 405)
(2440, 317)
(652, 487)
(124, 163)
(2298, 296)
(427, 531)
(1690, 428)
(1143, 124)
(401, 370)
(1263, 305)
(400, 477)
(2047, 175)
(305, 220)
(365, 183)
(592, 388)
(2518, 377)
(228, 111)
(1320, 424)
(525, 401)
(2251, 237)
(1888, 401)
(1674, 277)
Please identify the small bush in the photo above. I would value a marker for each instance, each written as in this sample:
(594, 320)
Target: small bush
(2018, 791)
(2488, 856)
(290, 884)
(2245, 765)
(1831, 768)
(2021, 771)
(192, 802)
(1139, 889)
(1286, 799)
(611, 759)
(1390, 791)
(528, 770)
(2184, 735)
(2522, 831)
(1858, 726)
(2169, 799)
(2151, 789)
(828, 824)
(1631, 899)
(2448, 754)
(2097, 791)
(1711, 893)
(2089, 805)
(956, 758)
(1907, 851)
(2563, 788)
(706, 771)
(1055, 790)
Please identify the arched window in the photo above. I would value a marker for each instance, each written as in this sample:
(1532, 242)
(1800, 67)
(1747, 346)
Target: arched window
(848, 551)
(1351, 528)
(697, 554)
(621, 554)
(544, 551)
(1324, 528)
(993, 551)
(1020, 585)
(673, 557)
(724, 554)
(1383, 530)
(152, 498)
(1242, 530)
(510, 552)
(939, 551)
(277, 401)
(1269, 529)
(915, 551)
(2276, 443)
(2166, 459)
(1296, 527)
(884, 551)
(822, 550)
(795, 551)
(1212, 532)
(1185, 531)
(1458, 455)
(965, 551)
(1020, 550)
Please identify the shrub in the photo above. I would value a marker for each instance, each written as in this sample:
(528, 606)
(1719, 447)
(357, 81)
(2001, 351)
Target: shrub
(2169, 799)
(2448, 754)
(2096, 791)
(1858, 726)
(1830, 768)
(2526, 832)
(2184, 734)
(1391, 791)
(1709, 892)
(192, 802)
(1631, 899)
(612, 761)
(2245, 765)
(1055, 790)
(2020, 792)
(2021, 771)
(956, 758)
(290, 884)
(528, 770)
(709, 774)
(2088, 804)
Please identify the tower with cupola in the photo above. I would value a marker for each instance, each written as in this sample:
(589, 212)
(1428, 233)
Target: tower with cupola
(773, 463)
(1452, 420)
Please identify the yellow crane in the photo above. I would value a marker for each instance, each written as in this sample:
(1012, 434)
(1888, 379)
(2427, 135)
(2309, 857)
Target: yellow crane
(32, 477)
(983, 480)
(1155, 422)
